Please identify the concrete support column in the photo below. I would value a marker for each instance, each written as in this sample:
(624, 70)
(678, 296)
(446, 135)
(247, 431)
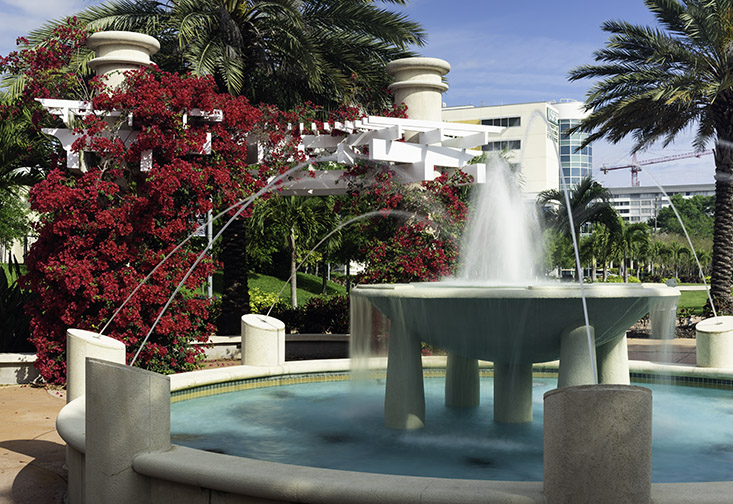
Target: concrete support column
(127, 413)
(404, 399)
(419, 85)
(81, 344)
(263, 340)
(575, 357)
(462, 387)
(598, 445)
(118, 52)
(513, 392)
(714, 342)
(613, 362)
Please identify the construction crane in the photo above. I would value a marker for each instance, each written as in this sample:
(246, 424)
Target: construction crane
(636, 165)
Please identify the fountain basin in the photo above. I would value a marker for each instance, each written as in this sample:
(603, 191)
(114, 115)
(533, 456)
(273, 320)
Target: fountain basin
(189, 475)
(513, 326)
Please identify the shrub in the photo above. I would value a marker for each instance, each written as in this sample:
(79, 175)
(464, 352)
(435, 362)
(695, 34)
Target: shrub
(15, 327)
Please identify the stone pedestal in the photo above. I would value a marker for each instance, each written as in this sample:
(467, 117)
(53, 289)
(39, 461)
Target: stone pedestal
(598, 445)
(120, 51)
(714, 341)
(662, 317)
(263, 341)
(419, 85)
(81, 344)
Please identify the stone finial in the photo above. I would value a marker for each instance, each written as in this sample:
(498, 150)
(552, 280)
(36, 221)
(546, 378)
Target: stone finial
(419, 85)
(120, 51)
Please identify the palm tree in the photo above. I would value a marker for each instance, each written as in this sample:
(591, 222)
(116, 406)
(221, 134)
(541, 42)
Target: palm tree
(589, 202)
(631, 238)
(297, 219)
(280, 52)
(656, 82)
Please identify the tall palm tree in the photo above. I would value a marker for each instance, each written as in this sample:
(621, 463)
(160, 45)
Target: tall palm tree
(589, 202)
(632, 237)
(653, 83)
(281, 52)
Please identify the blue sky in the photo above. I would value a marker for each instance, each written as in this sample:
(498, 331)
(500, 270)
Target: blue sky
(500, 52)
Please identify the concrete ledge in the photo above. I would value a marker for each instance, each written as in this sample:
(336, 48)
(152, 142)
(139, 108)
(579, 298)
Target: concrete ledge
(18, 368)
(291, 483)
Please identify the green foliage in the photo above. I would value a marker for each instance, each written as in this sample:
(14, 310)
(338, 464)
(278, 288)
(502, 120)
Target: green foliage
(283, 52)
(15, 327)
(14, 218)
(696, 213)
(261, 301)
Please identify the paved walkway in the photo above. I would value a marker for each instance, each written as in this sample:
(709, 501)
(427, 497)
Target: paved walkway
(32, 455)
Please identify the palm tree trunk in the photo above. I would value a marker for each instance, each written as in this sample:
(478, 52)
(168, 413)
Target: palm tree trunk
(720, 281)
(293, 271)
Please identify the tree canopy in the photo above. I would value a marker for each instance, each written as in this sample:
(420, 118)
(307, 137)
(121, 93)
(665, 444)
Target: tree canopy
(653, 82)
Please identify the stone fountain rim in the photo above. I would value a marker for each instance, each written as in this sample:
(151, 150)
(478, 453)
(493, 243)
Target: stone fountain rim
(467, 290)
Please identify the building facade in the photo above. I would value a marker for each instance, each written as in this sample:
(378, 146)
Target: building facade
(641, 204)
(535, 139)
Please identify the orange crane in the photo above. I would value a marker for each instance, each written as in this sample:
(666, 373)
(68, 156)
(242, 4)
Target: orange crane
(636, 165)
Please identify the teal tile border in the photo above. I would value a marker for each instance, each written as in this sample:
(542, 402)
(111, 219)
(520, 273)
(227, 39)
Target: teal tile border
(276, 381)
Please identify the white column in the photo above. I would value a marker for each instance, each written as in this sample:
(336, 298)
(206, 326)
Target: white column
(81, 344)
(263, 340)
(576, 357)
(714, 341)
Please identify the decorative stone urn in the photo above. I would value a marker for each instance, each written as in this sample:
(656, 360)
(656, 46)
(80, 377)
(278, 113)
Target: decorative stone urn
(120, 51)
(419, 85)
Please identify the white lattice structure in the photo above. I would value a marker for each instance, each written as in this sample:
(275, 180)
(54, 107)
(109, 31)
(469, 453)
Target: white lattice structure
(71, 111)
(434, 147)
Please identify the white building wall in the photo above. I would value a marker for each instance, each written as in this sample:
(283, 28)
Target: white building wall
(538, 133)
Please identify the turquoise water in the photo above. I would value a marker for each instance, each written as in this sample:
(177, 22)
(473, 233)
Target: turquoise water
(339, 425)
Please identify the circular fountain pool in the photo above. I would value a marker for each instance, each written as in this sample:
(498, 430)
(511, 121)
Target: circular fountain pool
(330, 425)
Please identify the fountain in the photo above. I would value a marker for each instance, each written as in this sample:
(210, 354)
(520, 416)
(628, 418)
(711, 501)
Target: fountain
(118, 433)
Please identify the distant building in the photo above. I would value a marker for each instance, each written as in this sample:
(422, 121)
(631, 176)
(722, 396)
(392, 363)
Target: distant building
(535, 135)
(640, 204)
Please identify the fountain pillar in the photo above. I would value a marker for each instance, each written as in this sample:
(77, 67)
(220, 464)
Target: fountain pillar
(462, 387)
(118, 52)
(613, 361)
(404, 399)
(576, 357)
(513, 392)
(419, 85)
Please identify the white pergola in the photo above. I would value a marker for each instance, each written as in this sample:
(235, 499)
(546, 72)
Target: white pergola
(416, 150)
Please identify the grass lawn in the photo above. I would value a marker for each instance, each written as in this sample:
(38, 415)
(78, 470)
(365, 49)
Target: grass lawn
(308, 286)
(693, 300)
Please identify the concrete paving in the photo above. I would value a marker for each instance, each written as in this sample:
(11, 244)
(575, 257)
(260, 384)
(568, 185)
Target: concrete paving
(32, 455)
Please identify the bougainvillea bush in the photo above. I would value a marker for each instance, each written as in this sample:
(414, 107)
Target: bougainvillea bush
(103, 230)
